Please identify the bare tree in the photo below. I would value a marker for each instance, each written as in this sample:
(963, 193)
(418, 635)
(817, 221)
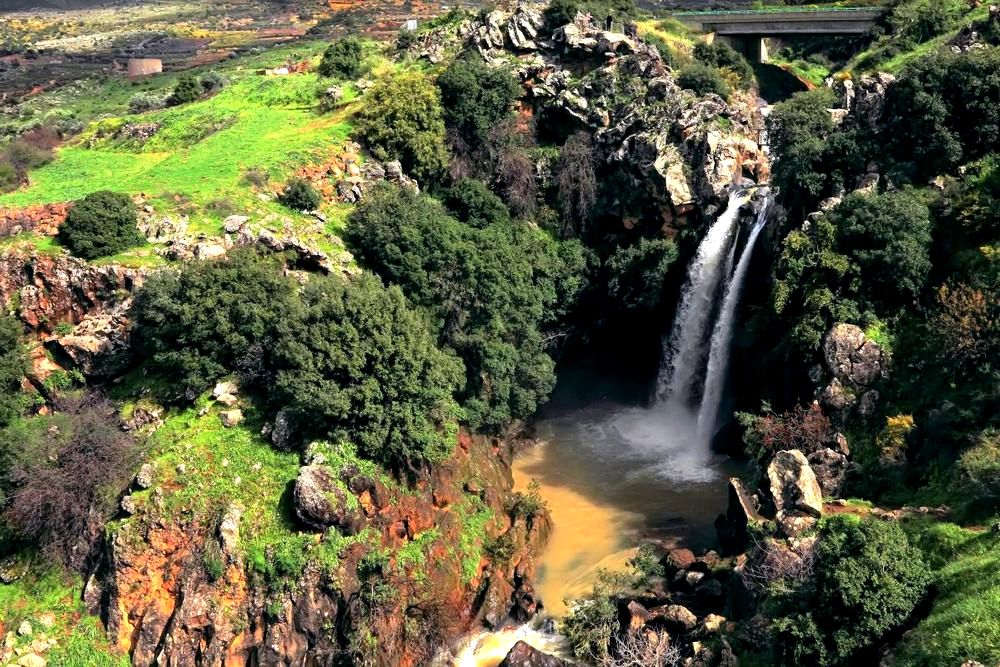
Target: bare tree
(576, 179)
(645, 648)
(67, 478)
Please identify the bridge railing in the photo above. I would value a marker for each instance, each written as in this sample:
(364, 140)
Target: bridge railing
(780, 10)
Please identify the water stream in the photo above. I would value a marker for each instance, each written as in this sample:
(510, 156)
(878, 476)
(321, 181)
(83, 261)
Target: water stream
(616, 470)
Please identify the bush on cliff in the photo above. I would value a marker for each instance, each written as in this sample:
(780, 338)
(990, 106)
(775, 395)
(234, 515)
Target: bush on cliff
(476, 97)
(300, 195)
(101, 224)
(703, 80)
(13, 366)
(212, 318)
(403, 120)
(868, 580)
(66, 474)
(492, 292)
(342, 59)
(722, 56)
(637, 274)
(360, 365)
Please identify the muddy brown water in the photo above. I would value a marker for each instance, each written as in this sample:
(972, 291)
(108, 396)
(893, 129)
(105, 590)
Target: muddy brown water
(615, 472)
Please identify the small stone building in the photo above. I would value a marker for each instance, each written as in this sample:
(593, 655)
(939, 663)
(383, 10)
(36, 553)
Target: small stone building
(144, 66)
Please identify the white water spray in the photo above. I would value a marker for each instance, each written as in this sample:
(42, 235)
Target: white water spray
(718, 356)
(684, 351)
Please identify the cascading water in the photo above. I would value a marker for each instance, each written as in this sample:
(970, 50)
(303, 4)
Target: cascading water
(684, 351)
(718, 356)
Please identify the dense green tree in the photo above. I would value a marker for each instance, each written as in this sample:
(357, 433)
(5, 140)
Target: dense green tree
(187, 90)
(797, 130)
(888, 239)
(101, 224)
(472, 202)
(342, 59)
(403, 120)
(703, 80)
(212, 318)
(300, 195)
(636, 273)
(13, 366)
(721, 55)
(921, 20)
(476, 97)
(492, 293)
(362, 366)
(868, 579)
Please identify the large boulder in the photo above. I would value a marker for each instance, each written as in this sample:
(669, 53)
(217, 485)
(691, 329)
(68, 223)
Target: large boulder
(322, 501)
(857, 364)
(798, 498)
(526, 655)
(852, 357)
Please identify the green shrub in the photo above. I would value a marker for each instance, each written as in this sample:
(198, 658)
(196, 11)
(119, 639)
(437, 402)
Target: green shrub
(921, 20)
(721, 55)
(188, 90)
(9, 178)
(476, 97)
(403, 120)
(146, 101)
(490, 306)
(980, 466)
(300, 195)
(528, 505)
(646, 564)
(472, 202)
(342, 59)
(637, 274)
(361, 366)
(211, 319)
(868, 580)
(888, 238)
(101, 224)
(703, 80)
(13, 366)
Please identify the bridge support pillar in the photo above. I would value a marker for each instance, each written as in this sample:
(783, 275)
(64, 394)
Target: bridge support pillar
(758, 49)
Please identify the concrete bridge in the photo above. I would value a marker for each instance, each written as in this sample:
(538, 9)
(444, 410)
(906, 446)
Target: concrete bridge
(746, 29)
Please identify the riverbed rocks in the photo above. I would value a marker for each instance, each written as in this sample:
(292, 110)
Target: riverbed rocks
(524, 654)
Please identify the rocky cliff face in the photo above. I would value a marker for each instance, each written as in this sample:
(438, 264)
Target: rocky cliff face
(685, 151)
(167, 603)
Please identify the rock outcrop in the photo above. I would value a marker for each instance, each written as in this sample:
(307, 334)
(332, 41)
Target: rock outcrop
(177, 589)
(683, 151)
(525, 655)
(56, 289)
(856, 365)
(798, 499)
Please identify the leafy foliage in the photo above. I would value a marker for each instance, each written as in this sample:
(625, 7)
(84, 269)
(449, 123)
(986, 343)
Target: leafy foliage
(637, 273)
(888, 239)
(361, 365)
(476, 97)
(722, 56)
(212, 318)
(342, 59)
(491, 293)
(868, 581)
(101, 224)
(13, 366)
(403, 119)
(703, 80)
(187, 90)
(472, 202)
(300, 195)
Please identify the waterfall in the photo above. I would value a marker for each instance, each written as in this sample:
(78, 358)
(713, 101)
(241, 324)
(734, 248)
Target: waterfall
(685, 349)
(718, 356)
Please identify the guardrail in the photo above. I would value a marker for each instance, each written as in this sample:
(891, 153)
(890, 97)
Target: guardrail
(781, 10)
